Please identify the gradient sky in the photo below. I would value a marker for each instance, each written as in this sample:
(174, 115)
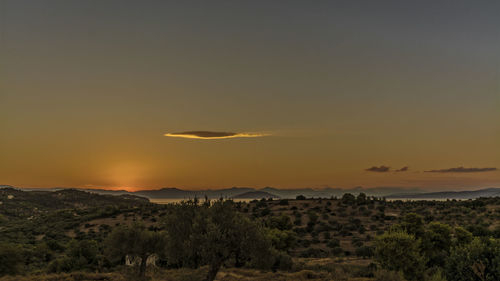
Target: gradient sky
(327, 90)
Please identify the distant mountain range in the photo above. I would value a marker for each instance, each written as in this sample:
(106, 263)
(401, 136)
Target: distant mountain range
(488, 192)
(252, 193)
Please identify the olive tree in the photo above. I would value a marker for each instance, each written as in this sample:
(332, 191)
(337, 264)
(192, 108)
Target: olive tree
(135, 241)
(217, 234)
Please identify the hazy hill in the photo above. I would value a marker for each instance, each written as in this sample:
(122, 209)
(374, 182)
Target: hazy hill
(489, 192)
(255, 195)
(175, 193)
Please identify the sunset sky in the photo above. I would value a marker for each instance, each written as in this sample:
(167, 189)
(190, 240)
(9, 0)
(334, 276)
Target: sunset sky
(214, 94)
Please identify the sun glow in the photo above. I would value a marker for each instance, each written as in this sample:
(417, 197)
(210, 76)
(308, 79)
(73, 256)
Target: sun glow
(126, 175)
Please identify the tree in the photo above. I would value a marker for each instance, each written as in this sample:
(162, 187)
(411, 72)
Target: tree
(82, 254)
(361, 199)
(300, 197)
(399, 251)
(227, 234)
(476, 261)
(135, 241)
(462, 236)
(180, 224)
(218, 233)
(436, 243)
(10, 259)
(348, 199)
(413, 224)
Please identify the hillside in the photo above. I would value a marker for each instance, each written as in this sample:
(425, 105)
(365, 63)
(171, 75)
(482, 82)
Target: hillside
(26, 203)
(25, 216)
(323, 237)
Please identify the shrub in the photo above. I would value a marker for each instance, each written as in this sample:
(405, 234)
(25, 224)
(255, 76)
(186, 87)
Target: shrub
(348, 199)
(386, 275)
(364, 251)
(283, 261)
(399, 251)
(283, 202)
(333, 243)
(479, 260)
(10, 259)
(337, 251)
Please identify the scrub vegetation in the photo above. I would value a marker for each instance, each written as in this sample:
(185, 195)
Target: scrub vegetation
(76, 235)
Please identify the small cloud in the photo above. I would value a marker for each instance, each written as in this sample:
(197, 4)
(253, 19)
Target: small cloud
(381, 169)
(209, 135)
(404, 169)
(462, 170)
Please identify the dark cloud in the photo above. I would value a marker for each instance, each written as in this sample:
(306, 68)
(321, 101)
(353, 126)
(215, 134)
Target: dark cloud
(462, 170)
(213, 135)
(404, 169)
(381, 169)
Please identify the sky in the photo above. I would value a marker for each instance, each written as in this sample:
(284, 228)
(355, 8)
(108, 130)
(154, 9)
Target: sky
(214, 94)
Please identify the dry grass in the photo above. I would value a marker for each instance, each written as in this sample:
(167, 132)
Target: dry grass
(77, 276)
(230, 274)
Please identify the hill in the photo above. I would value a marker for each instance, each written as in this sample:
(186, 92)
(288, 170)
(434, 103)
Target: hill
(27, 216)
(175, 193)
(26, 203)
(255, 195)
(489, 192)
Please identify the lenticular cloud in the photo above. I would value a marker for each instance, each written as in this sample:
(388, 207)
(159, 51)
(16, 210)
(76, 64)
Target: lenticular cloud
(210, 135)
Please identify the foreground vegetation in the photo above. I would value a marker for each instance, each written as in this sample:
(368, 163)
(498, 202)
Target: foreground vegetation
(75, 235)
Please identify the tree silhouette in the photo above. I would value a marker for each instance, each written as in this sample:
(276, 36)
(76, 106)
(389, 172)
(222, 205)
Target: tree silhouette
(135, 241)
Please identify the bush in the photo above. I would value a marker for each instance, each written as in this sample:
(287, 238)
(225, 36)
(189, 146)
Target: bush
(385, 275)
(11, 259)
(399, 251)
(314, 253)
(462, 236)
(348, 199)
(337, 251)
(364, 251)
(283, 202)
(333, 243)
(436, 276)
(283, 261)
(479, 260)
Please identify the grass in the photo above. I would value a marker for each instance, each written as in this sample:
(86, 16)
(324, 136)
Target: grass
(321, 273)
